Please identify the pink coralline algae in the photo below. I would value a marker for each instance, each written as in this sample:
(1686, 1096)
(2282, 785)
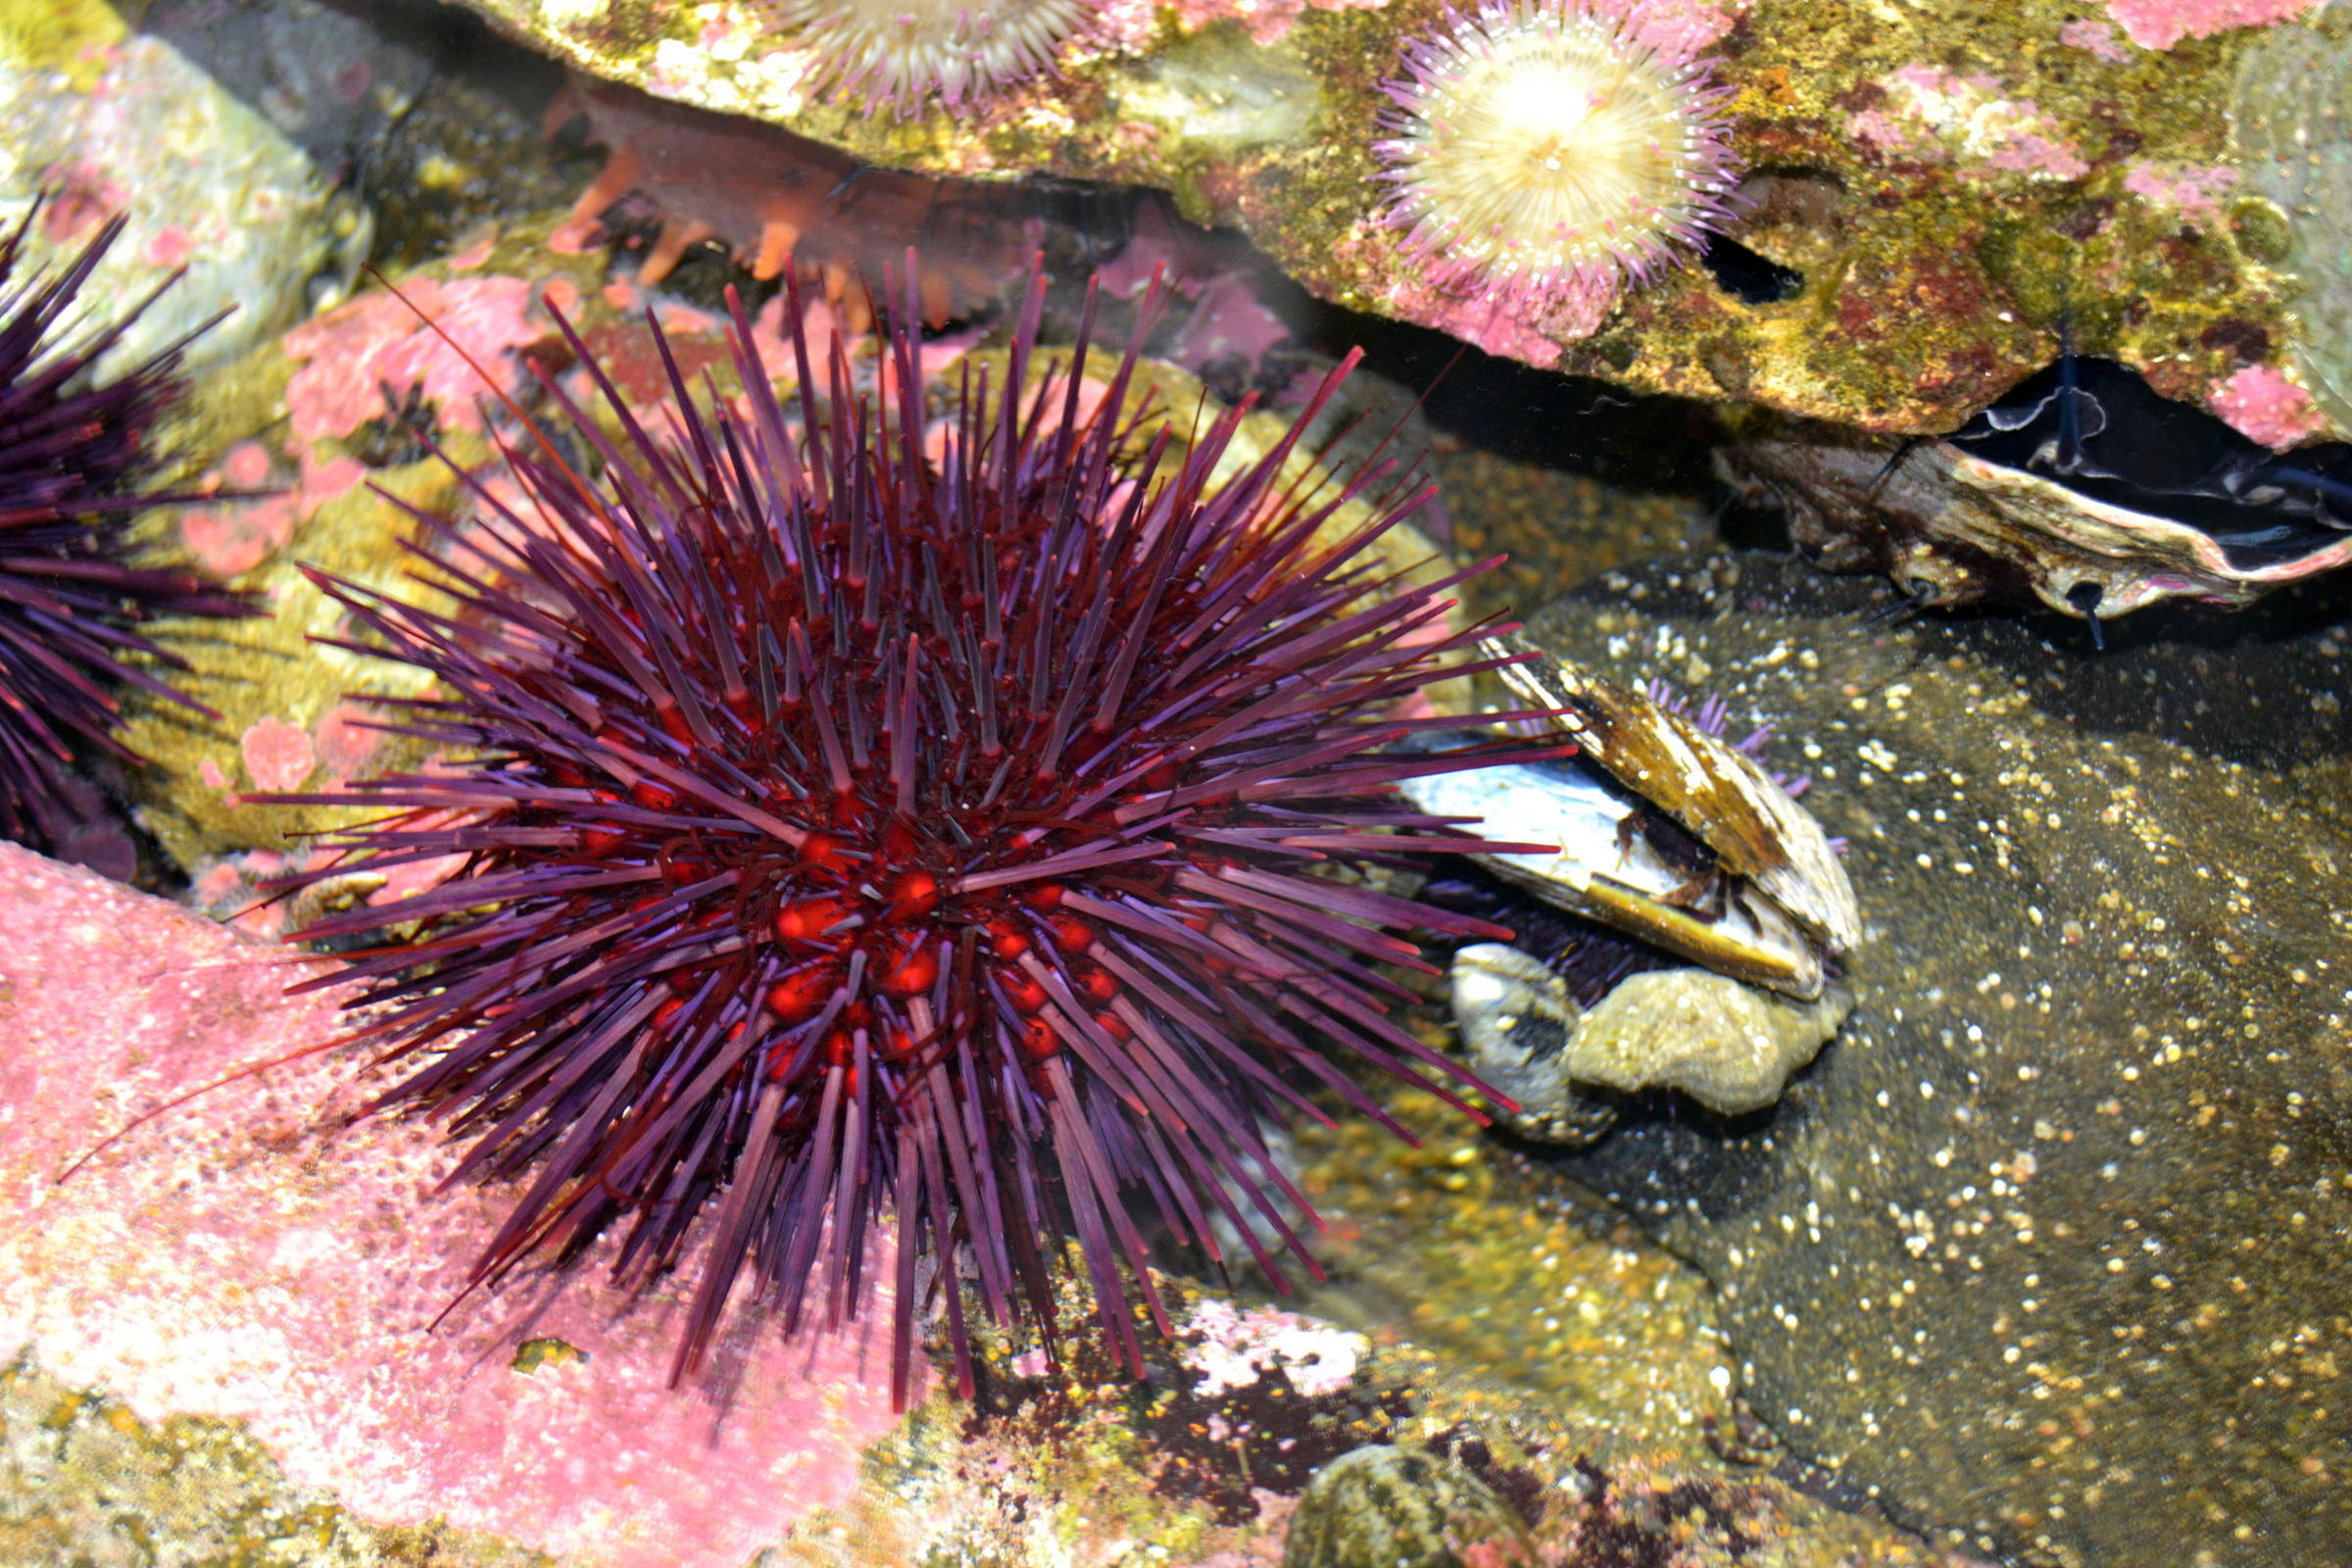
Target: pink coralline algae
(2196, 189)
(347, 740)
(2094, 37)
(248, 1257)
(2264, 406)
(349, 356)
(278, 755)
(1265, 21)
(2162, 23)
(230, 538)
(233, 538)
(477, 250)
(1931, 115)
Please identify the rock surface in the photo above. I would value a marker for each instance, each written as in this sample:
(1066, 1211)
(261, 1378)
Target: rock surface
(102, 119)
(246, 1258)
(224, 1341)
(2047, 1248)
(1942, 186)
(2292, 133)
(1728, 1046)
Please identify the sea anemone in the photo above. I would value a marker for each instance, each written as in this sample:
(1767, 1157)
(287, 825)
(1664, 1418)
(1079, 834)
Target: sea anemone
(74, 457)
(864, 813)
(1542, 149)
(897, 54)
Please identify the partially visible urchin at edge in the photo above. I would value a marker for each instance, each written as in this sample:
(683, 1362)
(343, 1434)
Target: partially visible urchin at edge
(75, 606)
(1539, 151)
(874, 812)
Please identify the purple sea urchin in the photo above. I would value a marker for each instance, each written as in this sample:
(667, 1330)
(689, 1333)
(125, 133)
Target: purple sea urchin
(1551, 148)
(72, 457)
(872, 815)
(899, 54)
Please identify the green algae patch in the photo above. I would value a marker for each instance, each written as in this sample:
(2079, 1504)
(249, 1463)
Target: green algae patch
(83, 1480)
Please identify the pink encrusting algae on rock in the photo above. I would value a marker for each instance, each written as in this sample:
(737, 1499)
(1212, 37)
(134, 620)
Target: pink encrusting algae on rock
(350, 356)
(2162, 23)
(279, 756)
(1543, 154)
(2264, 406)
(2094, 37)
(2196, 189)
(1928, 114)
(247, 1257)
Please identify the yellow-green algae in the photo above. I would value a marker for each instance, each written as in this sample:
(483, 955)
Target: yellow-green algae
(85, 1482)
(1932, 281)
(1550, 1347)
(71, 37)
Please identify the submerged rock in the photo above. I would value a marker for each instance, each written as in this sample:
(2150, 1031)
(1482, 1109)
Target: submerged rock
(101, 120)
(2290, 129)
(222, 1336)
(247, 1258)
(1389, 1507)
(2047, 1248)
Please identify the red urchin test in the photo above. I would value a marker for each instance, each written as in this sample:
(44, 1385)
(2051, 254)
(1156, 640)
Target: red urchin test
(873, 817)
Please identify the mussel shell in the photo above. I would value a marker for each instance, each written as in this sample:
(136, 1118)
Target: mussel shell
(2134, 508)
(1711, 789)
(1618, 863)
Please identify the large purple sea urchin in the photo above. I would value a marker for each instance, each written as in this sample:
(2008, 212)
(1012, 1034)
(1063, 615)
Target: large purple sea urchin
(850, 831)
(74, 455)
(1547, 148)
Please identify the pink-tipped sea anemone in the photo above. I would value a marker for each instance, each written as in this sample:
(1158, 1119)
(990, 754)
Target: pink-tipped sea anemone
(899, 53)
(1546, 149)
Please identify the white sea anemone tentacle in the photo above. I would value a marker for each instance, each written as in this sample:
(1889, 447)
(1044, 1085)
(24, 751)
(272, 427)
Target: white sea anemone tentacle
(901, 53)
(1540, 148)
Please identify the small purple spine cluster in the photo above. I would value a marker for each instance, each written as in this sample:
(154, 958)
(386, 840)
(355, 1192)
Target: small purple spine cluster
(73, 607)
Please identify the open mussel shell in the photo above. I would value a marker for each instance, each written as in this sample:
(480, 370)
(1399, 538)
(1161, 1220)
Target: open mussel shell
(1950, 529)
(1664, 832)
(2080, 488)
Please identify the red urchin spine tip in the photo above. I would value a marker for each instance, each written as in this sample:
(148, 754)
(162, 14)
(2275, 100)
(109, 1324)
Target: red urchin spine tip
(849, 832)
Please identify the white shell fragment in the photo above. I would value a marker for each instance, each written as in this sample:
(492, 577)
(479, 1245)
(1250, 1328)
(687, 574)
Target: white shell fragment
(1729, 1047)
